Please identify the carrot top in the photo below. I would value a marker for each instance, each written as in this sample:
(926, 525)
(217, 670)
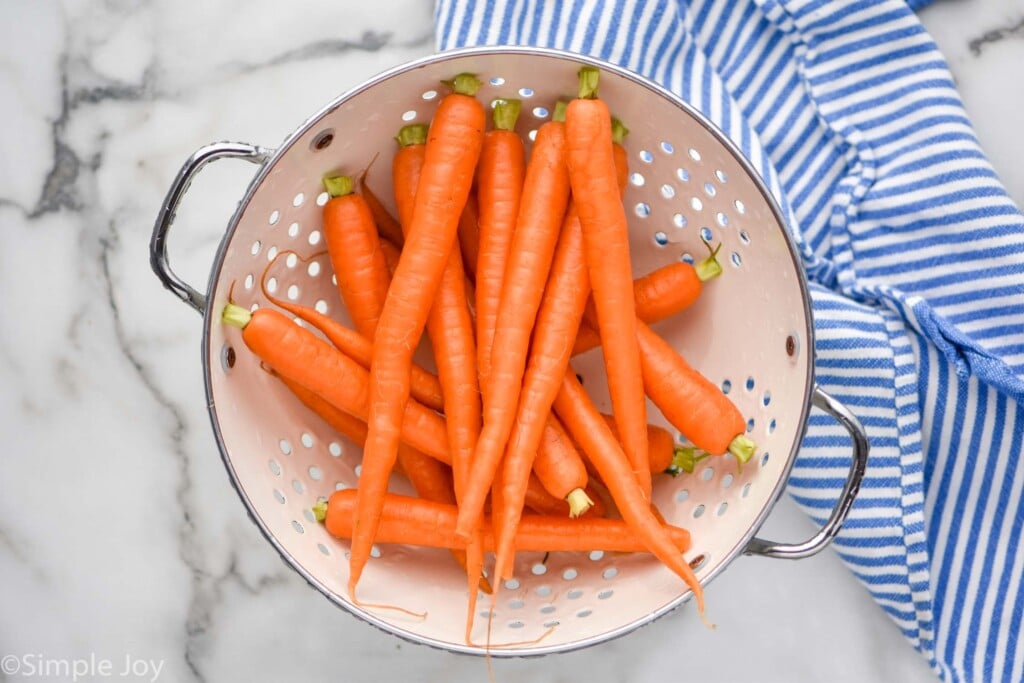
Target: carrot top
(710, 267)
(589, 77)
(619, 131)
(559, 113)
(506, 113)
(464, 84)
(339, 185)
(413, 134)
(235, 316)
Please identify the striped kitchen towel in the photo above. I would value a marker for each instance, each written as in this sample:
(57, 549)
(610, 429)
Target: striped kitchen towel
(916, 259)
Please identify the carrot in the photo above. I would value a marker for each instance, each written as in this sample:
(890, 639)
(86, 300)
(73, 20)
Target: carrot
(469, 235)
(542, 502)
(591, 160)
(354, 248)
(425, 387)
(499, 188)
(453, 147)
(558, 320)
(298, 354)
(689, 401)
(387, 227)
(449, 325)
(560, 467)
(392, 254)
(413, 521)
(659, 295)
(661, 447)
(542, 206)
(586, 426)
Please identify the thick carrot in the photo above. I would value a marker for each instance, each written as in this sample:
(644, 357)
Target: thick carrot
(586, 426)
(499, 188)
(449, 324)
(425, 387)
(469, 235)
(688, 400)
(542, 206)
(560, 467)
(354, 248)
(659, 295)
(591, 161)
(392, 254)
(412, 521)
(661, 447)
(387, 225)
(558, 321)
(453, 147)
(298, 354)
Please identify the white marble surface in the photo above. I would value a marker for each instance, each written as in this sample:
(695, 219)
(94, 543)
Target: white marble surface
(119, 534)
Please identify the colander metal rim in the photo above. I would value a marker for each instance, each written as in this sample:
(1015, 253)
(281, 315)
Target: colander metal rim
(209, 318)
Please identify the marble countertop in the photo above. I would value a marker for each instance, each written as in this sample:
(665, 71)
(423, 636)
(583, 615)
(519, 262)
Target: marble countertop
(120, 538)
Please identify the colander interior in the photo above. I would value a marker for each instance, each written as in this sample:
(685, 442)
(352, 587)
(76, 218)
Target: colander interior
(749, 333)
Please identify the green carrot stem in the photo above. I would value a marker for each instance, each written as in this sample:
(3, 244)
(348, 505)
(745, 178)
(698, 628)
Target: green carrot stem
(464, 84)
(743, 448)
(236, 316)
(339, 185)
(619, 131)
(710, 267)
(506, 113)
(559, 113)
(579, 502)
(413, 134)
(589, 76)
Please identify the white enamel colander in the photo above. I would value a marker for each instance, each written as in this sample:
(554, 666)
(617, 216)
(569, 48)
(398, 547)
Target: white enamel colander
(750, 332)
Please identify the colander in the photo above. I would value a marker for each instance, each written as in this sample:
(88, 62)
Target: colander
(750, 332)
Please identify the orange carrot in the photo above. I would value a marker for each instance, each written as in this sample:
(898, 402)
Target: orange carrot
(558, 320)
(469, 235)
(658, 295)
(387, 227)
(298, 354)
(453, 147)
(559, 466)
(661, 446)
(425, 387)
(542, 206)
(391, 254)
(449, 324)
(354, 248)
(688, 400)
(586, 426)
(499, 188)
(592, 173)
(413, 521)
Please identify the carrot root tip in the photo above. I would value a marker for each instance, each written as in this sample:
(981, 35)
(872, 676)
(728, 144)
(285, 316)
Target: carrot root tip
(235, 316)
(579, 502)
(743, 448)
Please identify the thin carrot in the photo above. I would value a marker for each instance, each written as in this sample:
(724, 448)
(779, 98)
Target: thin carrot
(500, 176)
(586, 426)
(469, 235)
(689, 401)
(558, 320)
(661, 447)
(392, 254)
(449, 324)
(387, 225)
(298, 354)
(592, 172)
(413, 521)
(542, 207)
(658, 295)
(425, 387)
(354, 248)
(453, 147)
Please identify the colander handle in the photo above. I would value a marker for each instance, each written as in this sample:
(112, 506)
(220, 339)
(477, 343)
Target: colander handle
(796, 551)
(158, 244)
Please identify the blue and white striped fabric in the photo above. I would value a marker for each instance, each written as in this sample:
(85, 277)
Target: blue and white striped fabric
(916, 257)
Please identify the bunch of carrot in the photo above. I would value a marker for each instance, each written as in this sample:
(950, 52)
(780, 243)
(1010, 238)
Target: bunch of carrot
(511, 265)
